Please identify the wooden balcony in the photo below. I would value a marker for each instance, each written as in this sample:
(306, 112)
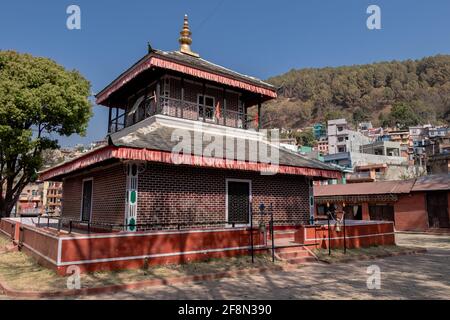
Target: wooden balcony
(185, 110)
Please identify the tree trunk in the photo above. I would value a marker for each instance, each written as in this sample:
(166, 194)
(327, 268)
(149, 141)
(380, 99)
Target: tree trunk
(11, 196)
(3, 211)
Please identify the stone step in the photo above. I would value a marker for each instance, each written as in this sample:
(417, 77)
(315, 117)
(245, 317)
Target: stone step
(287, 255)
(294, 254)
(287, 246)
(301, 260)
(283, 234)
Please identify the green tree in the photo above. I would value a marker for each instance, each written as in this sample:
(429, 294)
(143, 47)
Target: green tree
(305, 138)
(39, 100)
(383, 120)
(340, 92)
(360, 115)
(403, 116)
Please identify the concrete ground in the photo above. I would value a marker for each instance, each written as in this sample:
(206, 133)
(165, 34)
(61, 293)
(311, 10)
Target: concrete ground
(424, 276)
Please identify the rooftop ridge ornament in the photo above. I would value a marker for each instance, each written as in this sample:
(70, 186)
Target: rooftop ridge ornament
(185, 39)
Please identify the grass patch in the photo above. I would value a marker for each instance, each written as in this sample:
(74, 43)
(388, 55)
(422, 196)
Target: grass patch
(177, 270)
(21, 272)
(337, 255)
(4, 242)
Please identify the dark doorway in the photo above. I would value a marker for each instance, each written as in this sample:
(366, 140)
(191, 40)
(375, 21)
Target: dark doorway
(381, 212)
(86, 206)
(437, 207)
(238, 201)
(353, 212)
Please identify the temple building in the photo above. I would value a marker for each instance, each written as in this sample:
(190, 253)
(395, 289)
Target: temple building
(153, 174)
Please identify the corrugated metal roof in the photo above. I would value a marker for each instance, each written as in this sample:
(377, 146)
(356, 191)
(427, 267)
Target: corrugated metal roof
(148, 134)
(432, 182)
(368, 188)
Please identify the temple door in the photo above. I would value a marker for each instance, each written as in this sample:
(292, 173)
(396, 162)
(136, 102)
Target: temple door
(238, 202)
(86, 207)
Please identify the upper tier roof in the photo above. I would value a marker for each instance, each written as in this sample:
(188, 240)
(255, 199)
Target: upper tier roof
(192, 66)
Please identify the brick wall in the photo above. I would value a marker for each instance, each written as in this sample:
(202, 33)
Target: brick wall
(108, 203)
(170, 194)
(411, 212)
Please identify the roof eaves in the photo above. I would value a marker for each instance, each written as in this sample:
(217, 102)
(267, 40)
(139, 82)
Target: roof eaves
(244, 77)
(123, 73)
(167, 56)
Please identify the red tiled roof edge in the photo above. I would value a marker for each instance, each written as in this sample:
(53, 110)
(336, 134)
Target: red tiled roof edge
(365, 188)
(111, 152)
(147, 63)
(81, 162)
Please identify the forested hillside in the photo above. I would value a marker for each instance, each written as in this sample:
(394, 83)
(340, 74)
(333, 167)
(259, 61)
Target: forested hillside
(363, 92)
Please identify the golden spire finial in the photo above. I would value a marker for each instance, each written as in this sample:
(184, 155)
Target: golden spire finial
(185, 40)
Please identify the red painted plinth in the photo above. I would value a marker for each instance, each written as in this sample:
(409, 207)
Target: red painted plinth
(127, 250)
(356, 236)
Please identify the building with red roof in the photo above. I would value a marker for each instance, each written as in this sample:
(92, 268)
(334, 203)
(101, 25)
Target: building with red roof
(415, 204)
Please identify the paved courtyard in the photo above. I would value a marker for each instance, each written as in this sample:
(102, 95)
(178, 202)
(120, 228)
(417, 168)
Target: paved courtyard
(424, 276)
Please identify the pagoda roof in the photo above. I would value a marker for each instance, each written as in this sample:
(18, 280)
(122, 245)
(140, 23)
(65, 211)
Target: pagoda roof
(191, 66)
(150, 140)
(150, 134)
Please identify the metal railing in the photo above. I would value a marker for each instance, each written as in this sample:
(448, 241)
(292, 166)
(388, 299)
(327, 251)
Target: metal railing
(183, 109)
(268, 212)
(70, 225)
(59, 223)
(329, 216)
(201, 112)
(180, 225)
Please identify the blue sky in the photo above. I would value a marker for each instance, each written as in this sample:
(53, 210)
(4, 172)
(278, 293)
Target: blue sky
(261, 38)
